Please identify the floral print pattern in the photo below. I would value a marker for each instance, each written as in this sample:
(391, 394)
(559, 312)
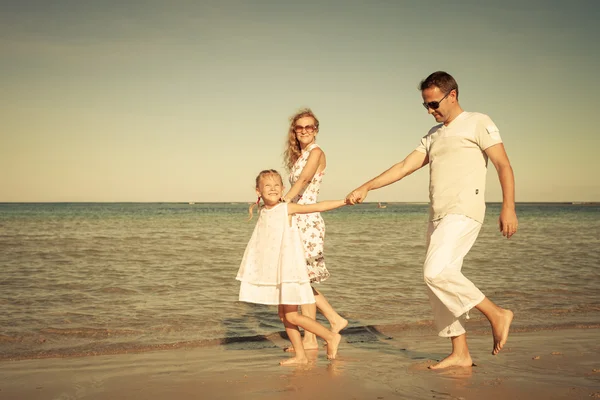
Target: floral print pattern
(311, 226)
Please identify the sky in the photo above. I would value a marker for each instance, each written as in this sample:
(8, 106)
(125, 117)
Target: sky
(180, 101)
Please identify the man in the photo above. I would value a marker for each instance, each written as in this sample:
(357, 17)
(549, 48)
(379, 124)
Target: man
(457, 151)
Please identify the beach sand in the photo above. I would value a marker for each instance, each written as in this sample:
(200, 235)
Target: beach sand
(556, 364)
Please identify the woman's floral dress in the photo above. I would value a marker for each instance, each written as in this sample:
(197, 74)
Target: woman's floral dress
(311, 226)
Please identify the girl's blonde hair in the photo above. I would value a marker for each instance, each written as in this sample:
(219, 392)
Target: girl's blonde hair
(259, 177)
(293, 151)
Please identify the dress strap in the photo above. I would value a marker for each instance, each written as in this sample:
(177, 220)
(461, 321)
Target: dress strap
(311, 147)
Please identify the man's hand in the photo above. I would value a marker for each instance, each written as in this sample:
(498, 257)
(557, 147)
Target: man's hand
(508, 222)
(357, 196)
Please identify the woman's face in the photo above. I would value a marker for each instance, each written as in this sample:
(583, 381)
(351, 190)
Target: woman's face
(306, 131)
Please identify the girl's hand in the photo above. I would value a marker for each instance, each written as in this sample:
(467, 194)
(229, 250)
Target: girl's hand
(357, 196)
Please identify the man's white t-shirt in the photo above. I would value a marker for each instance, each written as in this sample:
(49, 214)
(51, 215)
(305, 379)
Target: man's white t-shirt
(458, 165)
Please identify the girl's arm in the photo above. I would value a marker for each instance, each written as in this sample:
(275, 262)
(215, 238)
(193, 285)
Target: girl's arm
(307, 174)
(326, 205)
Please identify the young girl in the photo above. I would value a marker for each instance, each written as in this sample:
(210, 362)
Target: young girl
(273, 270)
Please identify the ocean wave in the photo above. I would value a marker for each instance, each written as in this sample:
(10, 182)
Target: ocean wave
(89, 332)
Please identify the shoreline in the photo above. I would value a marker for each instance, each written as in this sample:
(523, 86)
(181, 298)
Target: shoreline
(550, 364)
(354, 334)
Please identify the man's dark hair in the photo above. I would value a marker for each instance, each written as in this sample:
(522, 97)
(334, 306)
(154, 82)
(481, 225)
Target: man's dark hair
(443, 80)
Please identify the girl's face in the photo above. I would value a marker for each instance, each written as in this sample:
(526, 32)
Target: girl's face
(270, 189)
(306, 131)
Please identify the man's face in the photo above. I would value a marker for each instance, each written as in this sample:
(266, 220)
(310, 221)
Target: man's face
(434, 97)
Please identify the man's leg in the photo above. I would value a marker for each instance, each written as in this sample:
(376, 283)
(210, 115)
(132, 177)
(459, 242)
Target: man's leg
(451, 294)
(450, 326)
(460, 356)
(449, 240)
(500, 319)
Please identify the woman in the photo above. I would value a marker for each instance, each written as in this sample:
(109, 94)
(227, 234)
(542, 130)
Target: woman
(306, 162)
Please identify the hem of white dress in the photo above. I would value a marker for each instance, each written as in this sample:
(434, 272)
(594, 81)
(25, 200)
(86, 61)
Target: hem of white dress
(285, 293)
(274, 304)
(271, 283)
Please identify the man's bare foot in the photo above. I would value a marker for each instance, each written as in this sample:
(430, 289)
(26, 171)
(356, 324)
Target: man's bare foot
(338, 325)
(454, 360)
(332, 346)
(294, 361)
(500, 330)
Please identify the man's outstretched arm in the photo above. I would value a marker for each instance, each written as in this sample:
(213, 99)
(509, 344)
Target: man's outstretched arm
(410, 164)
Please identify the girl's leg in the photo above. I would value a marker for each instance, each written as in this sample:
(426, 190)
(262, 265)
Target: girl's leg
(280, 313)
(332, 339)
(336, 321)
(296, 339)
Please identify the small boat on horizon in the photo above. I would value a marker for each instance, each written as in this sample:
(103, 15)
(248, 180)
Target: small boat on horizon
(380, 206)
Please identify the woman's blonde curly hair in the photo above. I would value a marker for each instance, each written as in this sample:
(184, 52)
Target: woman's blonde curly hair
(293, 150)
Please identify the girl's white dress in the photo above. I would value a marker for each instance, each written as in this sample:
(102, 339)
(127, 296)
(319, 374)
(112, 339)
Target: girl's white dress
(273, 270)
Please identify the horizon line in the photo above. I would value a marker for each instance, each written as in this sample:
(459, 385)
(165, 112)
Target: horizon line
(574, 202)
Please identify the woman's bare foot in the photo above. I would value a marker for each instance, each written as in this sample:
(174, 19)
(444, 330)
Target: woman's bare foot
(307, 346)
(454, 360)
(332, 346)
(500, 329)
(294, 361)
(338, 325)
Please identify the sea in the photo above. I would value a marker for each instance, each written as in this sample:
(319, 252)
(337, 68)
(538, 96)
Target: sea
(85, 279)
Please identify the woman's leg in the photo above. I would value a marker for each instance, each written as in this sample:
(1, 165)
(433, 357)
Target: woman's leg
(336, 321)
(310, 339)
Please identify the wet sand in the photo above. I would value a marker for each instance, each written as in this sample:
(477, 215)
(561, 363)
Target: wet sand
(557, 364)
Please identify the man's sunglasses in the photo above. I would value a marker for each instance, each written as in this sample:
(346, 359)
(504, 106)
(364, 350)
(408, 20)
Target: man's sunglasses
(434, 105)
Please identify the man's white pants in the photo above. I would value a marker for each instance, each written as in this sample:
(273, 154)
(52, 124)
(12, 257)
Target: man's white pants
(451, 294)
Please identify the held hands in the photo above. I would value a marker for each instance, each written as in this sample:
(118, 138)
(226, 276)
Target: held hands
(508, 222)
(357, 196)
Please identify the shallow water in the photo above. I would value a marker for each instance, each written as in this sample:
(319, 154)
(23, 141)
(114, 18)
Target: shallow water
(81, 279)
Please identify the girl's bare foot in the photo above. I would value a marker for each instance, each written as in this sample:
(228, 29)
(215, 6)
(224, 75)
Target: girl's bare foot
(332, 346)
(454, 360)
(293, 361)
(500, 330)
